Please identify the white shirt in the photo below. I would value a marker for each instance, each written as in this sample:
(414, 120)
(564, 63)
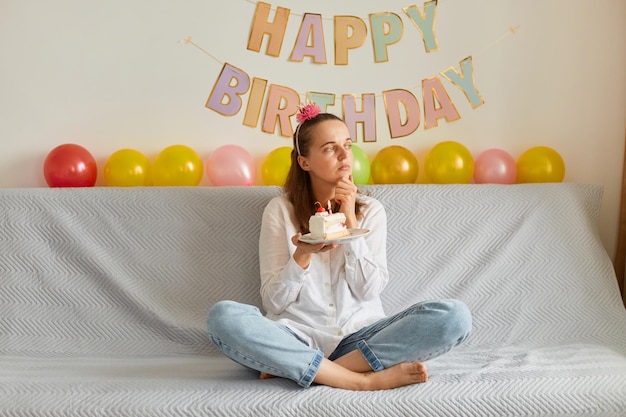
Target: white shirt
(339, 293)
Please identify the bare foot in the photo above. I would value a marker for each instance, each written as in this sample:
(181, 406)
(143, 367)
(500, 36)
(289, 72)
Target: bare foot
(335, 375)
(397, 376)
(264, 375)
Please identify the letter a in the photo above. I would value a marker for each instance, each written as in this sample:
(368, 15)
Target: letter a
(315, 33)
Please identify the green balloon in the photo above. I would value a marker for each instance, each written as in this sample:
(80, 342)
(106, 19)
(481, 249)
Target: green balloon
(360, 166)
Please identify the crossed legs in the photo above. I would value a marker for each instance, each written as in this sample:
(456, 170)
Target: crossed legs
(387, 354)
(353, 372)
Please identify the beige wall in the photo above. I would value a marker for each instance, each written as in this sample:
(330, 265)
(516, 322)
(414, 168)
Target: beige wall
(113, 75)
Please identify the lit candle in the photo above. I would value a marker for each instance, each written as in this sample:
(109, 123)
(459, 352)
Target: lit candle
(329, 210)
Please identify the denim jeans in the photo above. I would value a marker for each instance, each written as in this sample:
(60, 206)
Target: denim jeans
(417, 334)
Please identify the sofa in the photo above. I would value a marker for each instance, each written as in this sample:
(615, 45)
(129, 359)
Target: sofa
(104, 294)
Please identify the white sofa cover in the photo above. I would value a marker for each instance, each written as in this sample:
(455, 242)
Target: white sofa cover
(104, 293)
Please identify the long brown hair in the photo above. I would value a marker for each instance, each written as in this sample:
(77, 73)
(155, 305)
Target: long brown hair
(298, 184)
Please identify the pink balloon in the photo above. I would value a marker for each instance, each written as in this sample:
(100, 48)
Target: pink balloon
(495, 166)
(231, 165)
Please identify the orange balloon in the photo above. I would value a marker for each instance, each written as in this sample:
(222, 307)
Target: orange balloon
(394, 165)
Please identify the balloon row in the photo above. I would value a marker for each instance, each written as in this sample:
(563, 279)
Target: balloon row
(71, 165)
(452, 163)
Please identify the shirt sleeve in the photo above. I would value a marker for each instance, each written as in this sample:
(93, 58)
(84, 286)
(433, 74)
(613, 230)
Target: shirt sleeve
(281, 277)
(366, 259)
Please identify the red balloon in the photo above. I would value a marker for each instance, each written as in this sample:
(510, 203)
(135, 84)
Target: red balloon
(70, 165)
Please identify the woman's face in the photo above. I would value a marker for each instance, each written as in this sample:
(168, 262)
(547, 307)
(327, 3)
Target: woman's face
(330, 155)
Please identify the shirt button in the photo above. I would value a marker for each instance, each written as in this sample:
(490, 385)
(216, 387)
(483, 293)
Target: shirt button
(331, 305)
(326, 284)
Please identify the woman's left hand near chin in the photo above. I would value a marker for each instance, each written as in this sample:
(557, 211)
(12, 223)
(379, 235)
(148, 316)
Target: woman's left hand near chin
(345, 194)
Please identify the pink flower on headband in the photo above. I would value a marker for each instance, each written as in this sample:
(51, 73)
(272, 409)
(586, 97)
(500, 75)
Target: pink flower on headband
(307, 112)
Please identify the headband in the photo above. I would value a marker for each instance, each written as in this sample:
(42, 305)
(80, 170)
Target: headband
(306, 112)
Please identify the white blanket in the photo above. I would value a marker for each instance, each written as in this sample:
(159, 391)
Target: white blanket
(104, 291)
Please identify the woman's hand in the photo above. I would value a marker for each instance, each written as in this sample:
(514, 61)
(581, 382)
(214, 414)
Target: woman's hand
(345, 194)
(304, 251)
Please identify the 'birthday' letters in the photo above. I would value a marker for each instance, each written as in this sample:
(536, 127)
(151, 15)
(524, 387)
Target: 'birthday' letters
(282, 102)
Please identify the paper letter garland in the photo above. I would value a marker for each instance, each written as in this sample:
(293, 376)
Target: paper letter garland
(402, 107)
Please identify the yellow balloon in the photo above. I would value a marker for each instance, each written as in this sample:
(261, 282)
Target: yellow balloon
(540, 164)
(449, 163)
(276, 165)
(394, 165)
(127, 168)
(177, 165)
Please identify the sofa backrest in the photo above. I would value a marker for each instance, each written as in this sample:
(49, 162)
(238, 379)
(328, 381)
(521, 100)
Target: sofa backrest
(124, 271)
(113, 271)
(527, 259)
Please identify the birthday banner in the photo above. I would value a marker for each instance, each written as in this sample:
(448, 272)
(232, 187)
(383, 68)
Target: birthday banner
(403, 108)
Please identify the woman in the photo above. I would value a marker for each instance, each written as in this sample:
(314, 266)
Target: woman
(324, 320)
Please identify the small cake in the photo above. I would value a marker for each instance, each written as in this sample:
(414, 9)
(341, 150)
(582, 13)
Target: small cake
(327, 226)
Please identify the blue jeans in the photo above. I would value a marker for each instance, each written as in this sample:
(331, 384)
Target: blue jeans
(417, 334)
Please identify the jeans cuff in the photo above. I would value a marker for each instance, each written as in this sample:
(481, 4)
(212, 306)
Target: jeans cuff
(311, 371)
(370, 356)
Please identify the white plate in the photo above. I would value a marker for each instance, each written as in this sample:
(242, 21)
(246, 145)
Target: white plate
(354, 234)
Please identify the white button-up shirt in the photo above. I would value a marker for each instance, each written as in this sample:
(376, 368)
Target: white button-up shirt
(339, 293)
